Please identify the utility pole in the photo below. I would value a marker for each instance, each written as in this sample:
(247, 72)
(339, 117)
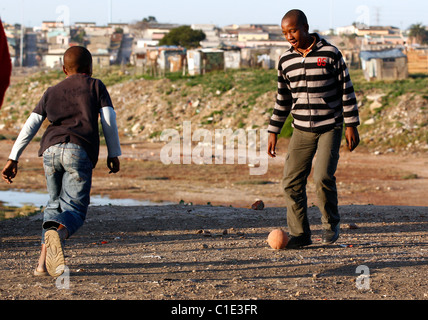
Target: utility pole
(21, 43)
(378, 16)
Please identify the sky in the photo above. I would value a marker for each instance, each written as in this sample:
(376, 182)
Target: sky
(322, 14)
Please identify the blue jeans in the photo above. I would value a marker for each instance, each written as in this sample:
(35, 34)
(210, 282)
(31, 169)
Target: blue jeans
(68, 172)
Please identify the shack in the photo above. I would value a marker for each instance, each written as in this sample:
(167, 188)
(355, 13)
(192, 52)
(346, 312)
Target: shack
(171, 58)
(255, 57)
(232, 59)
(159, 60)
(232, 56)
(384, 65)
(201, 61)
(266, 58)
(418, 60)
(101, 58)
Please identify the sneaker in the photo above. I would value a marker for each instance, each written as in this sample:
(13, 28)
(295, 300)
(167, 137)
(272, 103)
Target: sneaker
(298, 242)
(330, 236)
(55, 262)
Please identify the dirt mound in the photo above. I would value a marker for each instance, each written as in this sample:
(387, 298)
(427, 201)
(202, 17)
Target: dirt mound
(146, 108)
(392, 121)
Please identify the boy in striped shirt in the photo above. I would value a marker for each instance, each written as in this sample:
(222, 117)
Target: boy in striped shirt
(315, 87)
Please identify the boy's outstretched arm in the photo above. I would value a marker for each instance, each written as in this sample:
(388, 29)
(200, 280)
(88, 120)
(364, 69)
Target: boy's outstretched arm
(29, 130)
(108, 123)
(281, 111)
(350, 106)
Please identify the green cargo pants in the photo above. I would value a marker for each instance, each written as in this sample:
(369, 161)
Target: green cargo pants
(301, 152)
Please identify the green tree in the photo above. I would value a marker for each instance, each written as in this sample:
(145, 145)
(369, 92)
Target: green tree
(183, 36)
(150, 19)
(419, 33)
(78, 35)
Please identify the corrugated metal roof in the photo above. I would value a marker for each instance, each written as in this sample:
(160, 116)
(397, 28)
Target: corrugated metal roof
(394, 53)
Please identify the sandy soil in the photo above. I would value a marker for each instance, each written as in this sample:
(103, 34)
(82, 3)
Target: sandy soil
(218, 251)
(362, 178)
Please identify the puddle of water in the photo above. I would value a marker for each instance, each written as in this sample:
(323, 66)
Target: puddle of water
(16, 198)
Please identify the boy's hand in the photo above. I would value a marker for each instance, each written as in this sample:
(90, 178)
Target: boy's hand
(10, 171)
(352, 138)
(113, 164)
(272, 145)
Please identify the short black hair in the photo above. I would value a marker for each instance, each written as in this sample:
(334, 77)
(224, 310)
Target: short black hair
(78, 58)
(299, 15)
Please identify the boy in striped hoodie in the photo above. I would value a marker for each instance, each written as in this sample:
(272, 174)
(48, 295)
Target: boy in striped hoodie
(315, 87)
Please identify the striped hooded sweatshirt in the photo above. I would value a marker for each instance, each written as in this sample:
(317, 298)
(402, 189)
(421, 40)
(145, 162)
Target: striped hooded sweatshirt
(317, 90)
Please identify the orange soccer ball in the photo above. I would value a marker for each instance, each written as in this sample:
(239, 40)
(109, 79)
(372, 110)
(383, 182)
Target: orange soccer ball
(277, 239)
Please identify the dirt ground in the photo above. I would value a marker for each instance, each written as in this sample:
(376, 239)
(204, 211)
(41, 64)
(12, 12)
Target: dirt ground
(213, 246)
